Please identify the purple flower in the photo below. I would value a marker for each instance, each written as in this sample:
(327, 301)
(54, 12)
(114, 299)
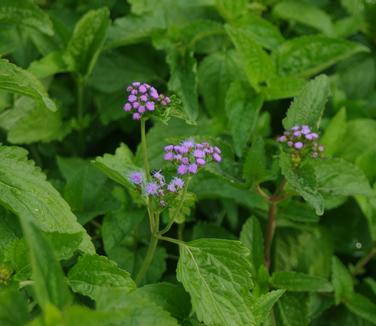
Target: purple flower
(141, 109)
(169, 156)
(127, 107)
(282, 139)
(171, 187)
(182, 169)
(297, 133)
(136, 178)
(169, 148)
(151, 189)
(132, 98)
(136, 116)
(199, 153)
(142, 89)
(298, 145)
(217, 157)
(150, 106)
(200, 161)
(192, 168)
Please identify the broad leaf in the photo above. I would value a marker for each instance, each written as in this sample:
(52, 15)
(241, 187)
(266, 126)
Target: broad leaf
(292, 310)
(300, 282)
(25, 191)
(16, 80)
(362, 306)
(264, 304)
(87, 40)
(342, 281)
(216, 273)
(334, 133)
(95, 275)
(230, 9)
(283, 87)
(308, 107)
(13, 308)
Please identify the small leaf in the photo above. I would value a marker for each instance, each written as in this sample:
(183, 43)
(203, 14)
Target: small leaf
(230, 9)
(362, 306)
(292, 309)
(334, 133)
(308, 55)
(16, 80)
(255, 165)
(13, 308)
(95, 275)
(264, 305)
(300, 282)
(216, 273)
(251, 236)
(308, 107)
(342, 281)
(242, 111)
(181, 208)
(283, 87)
(87, 40)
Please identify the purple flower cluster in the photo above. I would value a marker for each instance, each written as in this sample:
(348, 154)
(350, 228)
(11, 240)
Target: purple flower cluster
(157, 187)
(189, 156)
(300, 138)
(143, 98)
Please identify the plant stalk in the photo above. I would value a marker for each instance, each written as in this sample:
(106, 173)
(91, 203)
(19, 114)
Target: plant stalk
(148, 259)
(359, 267)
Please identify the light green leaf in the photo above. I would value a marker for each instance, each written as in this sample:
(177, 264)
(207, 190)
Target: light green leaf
(342, 281)
(87, 40)
(341, 178)
(292, 309)
(334, 133)
(255, 165)
(306, 14)
(300, 282)
(17, 80)
(264, 304)
(256, 63)
(28, 122)
(260, 30)
(183, 80)
(216, 273)
(25, 13)
(283, 87)
(13, 308)
(25, 191)
(308, 107)
(303, 182)
(94, 275)
(230, 9)
(181, 208)
(251, 236)
(47, 274)
(49, 65)
(362, 306)
(308, 55)
(242, 110)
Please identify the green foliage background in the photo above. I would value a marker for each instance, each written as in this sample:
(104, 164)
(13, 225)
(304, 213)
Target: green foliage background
(73, 233)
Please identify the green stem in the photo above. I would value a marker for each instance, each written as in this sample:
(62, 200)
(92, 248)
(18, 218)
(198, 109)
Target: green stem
(359, 267)
(145, 149)
(148, 259)
(172, 240)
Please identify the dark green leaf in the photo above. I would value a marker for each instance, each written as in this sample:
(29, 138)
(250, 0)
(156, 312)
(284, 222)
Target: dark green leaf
(264, 305)
(363, 307)
(300, 282)
(292, 310)
(255, 165)
(13, 308)
(342, 281)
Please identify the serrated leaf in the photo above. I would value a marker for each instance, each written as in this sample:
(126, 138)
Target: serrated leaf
(283, 87)
(216, 273)
(94, 275)
(25, 191)
(308, 107)
(183, 80)
(334, 133)
(362, 306)
(306, 14)
(242, 112)
(264, 304)
(181, 207)
(308, 55)
(299, 282)
(303, 182)
(292, 309)
(87, 40)
(230, 9)
(26, 13)
(251, 236)
(342, 281)
(17, 80)
(257, 64)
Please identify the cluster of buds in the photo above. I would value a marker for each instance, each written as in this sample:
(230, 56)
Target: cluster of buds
(157, 187)
(302, 139)
(143, 98)
(5, 275)
(189, 156)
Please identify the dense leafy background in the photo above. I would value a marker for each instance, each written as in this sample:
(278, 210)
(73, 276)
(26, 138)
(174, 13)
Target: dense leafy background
(73, 234)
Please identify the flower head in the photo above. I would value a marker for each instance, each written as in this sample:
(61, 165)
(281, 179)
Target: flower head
(143, 98)
(136, 178)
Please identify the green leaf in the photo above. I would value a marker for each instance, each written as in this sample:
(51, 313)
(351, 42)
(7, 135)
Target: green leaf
(362, 306)
(49, 65)
(181, 208)
(183, 80)
(283, 87)
(334, 133)
(25, 191)
(264, 305)
(308, 55)
(260, 30)
(87, 190)
(230, 9)
(47, 274)
(216, 273)
(87, 40)
(13, 308)
(17, 80)
(308, 107)
(292, 310)
(256, 63)
(94, 275)
(300, 282)
(306, 14)
(25, 13)
(341, 178)
(215, 74)
(28, 122)
(303, 182)
(171, 297)
(242, 111)
(251, 236)
(342, 280)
